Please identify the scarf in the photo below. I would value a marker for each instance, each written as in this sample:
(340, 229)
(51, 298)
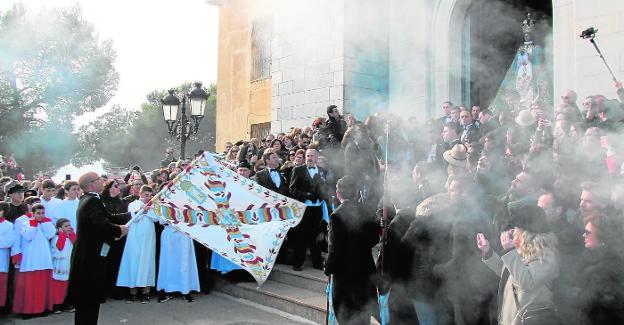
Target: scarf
(62, 239)
(34, 222)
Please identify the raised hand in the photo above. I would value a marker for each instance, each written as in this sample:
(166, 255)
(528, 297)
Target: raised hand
(483, 244)
(506, 238)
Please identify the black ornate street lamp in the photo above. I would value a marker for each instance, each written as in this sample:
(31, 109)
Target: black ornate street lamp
(181, 126)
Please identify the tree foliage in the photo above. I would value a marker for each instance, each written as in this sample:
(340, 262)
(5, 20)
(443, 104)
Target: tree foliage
(52, 68)
(124, 138)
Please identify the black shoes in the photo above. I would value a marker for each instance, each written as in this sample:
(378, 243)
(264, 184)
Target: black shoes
(297, 268)
(188, 297)
(131, 299)
(145, 298)
(164, 298)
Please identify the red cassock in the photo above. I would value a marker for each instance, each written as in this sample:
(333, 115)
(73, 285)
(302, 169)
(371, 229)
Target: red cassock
(58, 291)
(4, 278)
(32, 292)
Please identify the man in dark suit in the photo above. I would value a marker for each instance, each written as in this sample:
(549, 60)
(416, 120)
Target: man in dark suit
(353, 232)
(450, 137)
(307, 184)
(270, 177)
(87, 277)
(446, 117)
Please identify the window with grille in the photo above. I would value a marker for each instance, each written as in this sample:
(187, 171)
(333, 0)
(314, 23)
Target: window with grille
(260, 130)
(261, 31)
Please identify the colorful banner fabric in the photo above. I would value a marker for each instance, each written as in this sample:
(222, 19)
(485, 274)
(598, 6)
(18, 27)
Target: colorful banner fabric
(230, 214)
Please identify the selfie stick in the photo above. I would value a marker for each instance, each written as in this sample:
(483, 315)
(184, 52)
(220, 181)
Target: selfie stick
(590, 34)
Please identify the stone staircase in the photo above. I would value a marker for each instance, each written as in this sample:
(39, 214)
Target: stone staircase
(298, 293)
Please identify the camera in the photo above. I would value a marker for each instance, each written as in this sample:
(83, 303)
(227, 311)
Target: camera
(589, 33)
(136, 167)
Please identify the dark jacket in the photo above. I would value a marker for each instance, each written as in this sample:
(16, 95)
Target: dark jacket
(87, 277)
(352, 234)
(601, 283)
(302, 187)
(264, 178)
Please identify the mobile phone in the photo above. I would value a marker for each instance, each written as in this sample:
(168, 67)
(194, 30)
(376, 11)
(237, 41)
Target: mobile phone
(67, 177)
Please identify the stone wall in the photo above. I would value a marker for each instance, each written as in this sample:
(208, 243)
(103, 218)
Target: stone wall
(240, 102)
(307, 61)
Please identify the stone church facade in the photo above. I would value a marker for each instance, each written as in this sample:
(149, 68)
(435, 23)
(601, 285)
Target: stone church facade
(282, 62)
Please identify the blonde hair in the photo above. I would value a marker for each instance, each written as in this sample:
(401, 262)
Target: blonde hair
(533, 245)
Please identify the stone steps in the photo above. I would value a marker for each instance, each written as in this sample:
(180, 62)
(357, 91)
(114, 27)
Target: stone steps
(291, 299)
(309, 279)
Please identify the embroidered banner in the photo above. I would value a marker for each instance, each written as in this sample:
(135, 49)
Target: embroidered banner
(230, 214)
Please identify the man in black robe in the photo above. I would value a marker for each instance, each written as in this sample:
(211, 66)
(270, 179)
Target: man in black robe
(87, 277)
(353, 232)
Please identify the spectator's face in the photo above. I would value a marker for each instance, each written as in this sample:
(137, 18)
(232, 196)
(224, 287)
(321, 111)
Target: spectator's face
(465, 118)
(455, 115)
(228, 146)
(277, 147)
(448, 134)
(321, 161)
(273, 161)
(589, 236)
(268, 140)
(17, 198)
(520, 184)
(299, 159)
(146, 196)
(49, 193)
(73, 192)
(446, 109)
(589, 206)
(136, 187)
(39, 214)
(475, 112)
(484, 117)
(66, 228)
(311, 157)
(115, 190)
(242, 171)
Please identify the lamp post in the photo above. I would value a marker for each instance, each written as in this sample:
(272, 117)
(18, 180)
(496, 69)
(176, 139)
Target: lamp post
(181, 126)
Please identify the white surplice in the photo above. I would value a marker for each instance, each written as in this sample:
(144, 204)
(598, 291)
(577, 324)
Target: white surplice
(138, 267)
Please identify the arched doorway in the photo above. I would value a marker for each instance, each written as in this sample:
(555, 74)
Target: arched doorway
(454, 30)
(490, 38)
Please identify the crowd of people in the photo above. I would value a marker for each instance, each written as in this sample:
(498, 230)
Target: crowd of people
(511, 215)
(507, 215)
(38, 231)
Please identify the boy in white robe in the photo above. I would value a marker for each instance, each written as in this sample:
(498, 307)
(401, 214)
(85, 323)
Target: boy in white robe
(67, 208)
(137, 269)
(48, 193)
(62, 245)
(177, 270)
(33, 287)
(6, 241)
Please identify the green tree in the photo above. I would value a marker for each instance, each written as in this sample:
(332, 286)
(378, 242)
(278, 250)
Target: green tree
(124, 138)
(53, 68)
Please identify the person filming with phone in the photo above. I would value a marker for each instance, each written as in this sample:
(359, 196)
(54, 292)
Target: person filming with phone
(527, 268)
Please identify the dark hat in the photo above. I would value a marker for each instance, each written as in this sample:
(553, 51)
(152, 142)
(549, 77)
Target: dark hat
(529, 217)
(244, 164)
(30, 193)
(13, 187)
